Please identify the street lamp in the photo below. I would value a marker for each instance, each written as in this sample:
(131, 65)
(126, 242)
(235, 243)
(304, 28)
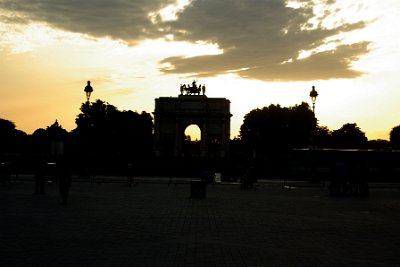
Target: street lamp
(313, 95)
(88, 90)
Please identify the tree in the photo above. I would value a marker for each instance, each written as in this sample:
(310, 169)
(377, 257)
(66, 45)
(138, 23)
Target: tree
(301, 125)
(104, 130)
(349, 136)
(44, 139)
(323, 136)
(7, 128)
(275, 128)
(56, 132)
(379, 144)
(395, 137)
(96, 117)
(11, 139)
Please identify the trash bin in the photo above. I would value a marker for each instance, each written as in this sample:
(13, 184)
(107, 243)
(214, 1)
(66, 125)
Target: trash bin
(198, 189)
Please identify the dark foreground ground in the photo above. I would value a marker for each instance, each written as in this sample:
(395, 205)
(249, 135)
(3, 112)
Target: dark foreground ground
(153, 224)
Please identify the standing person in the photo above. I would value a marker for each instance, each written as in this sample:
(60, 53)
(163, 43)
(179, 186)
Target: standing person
(64, 180)
(39, 177)
(249, 178)
(130, 180)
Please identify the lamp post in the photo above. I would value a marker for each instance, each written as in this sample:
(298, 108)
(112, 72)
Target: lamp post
(88, 90)
(313, 95)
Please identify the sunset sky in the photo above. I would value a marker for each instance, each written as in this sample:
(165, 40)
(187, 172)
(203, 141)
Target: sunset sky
(253, 52)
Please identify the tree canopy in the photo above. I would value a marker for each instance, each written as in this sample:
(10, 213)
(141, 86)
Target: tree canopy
(275, 128)
(11, 139)
(42, 138)
(395, 137)
(106, 130)
(349, 136)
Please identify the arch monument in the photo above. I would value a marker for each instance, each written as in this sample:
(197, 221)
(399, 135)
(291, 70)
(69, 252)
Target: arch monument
(173, 115)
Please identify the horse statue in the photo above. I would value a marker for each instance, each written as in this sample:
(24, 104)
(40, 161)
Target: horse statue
(192, 89)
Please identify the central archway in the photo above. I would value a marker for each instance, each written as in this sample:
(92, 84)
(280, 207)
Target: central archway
(193, 132)
(192, 141)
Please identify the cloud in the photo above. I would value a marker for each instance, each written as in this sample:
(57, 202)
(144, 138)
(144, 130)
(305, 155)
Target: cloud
(260, 39)
(119, 19)
(263, 40)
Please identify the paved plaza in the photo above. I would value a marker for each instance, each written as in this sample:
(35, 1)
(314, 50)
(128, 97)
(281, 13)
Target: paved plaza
(153, 224)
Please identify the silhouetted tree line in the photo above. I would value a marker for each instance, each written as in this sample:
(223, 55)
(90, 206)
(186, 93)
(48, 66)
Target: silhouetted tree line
(104, 132)
(11, 139)
(275, 128)
(44, 139)
(348, 136)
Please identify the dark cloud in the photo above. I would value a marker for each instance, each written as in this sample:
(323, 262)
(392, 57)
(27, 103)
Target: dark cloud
(119, 19)
(257, 36)
(324, 65)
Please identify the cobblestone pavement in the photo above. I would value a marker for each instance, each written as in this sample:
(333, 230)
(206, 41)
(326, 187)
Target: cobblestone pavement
(160, 225)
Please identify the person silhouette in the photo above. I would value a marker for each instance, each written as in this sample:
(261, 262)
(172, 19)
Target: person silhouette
(39, 177)
(64, 180)
(130, 178)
